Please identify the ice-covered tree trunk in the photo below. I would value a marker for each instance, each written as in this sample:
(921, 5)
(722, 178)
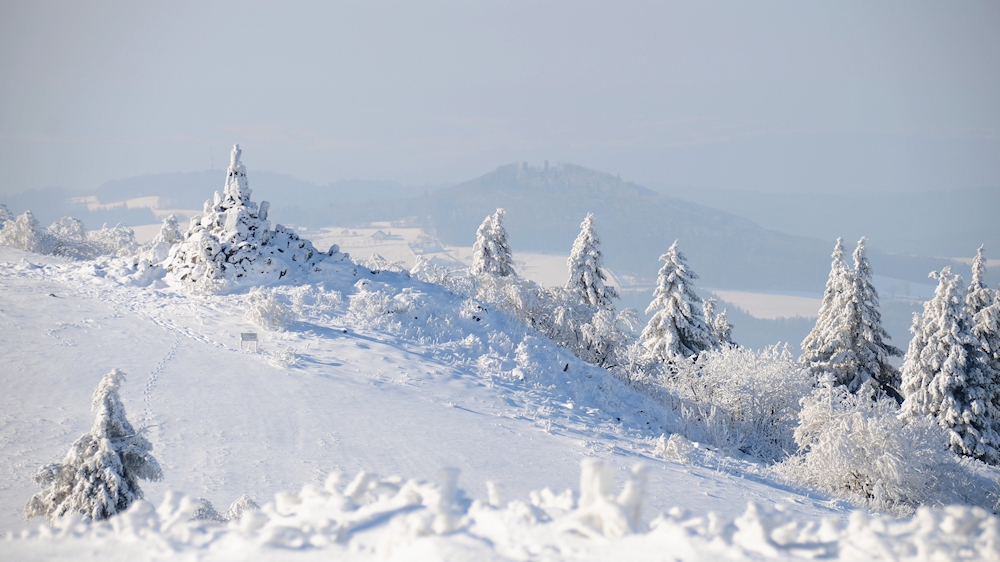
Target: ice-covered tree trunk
(945, 374)
(827, 348)
(865, 325)
(491, 254)
(678, 327)
(100, 475)
(979, 296)
(585, 263)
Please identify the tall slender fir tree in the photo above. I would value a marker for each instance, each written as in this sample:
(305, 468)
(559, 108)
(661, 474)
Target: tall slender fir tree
(678, 327)
(585, 262)
(828, 345)
(870, 348)
(979, 296)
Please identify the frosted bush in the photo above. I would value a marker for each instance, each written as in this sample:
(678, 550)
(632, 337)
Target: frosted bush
(310, 301)
(427, 272)
(118, 241)
(69, 238)
(676, 448)
(376, 264)
(857, 447)
(23, 233)
(373, 305)
(737, 398)
(264, 310)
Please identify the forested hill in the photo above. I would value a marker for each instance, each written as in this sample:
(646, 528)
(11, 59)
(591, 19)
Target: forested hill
(545, 206)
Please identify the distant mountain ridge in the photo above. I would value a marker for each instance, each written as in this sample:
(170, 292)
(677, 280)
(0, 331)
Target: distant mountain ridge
(545, 206)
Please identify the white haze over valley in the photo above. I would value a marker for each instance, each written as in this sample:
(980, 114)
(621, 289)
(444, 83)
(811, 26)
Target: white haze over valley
(499, 281)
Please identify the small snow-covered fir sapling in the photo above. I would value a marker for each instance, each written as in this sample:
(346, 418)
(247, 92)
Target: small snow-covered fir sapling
(264, 310)
(491, 255)
(719, 323)
(24, 233)
(946, 374)
(586, 274)
(100, 475)
(678, 327)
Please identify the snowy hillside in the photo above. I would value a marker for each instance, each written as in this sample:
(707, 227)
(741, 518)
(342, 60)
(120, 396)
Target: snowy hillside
(226, 422)
(383, 416)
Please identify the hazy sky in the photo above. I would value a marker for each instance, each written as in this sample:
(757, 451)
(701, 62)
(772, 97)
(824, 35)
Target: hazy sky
(779, 96)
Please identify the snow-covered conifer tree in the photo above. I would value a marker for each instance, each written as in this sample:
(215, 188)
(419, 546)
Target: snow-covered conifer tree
(678, 327)
(99, 476)
(234, 241)
(870, 350)
(24, 233)
(721, 328)
(491, 254)
(586, 276)
(986, 329)
(945, 374)
(5, 214)
(979, 296)
(828, 341)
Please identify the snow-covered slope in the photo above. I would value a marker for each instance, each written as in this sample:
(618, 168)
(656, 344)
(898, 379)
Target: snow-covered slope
(350, 388)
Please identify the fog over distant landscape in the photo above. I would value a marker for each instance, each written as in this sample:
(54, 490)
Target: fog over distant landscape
(753, 134)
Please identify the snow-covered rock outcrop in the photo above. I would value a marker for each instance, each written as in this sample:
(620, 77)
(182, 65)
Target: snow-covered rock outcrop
(233, 242)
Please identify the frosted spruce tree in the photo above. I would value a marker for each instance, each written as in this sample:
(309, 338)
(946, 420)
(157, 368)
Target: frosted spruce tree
(719, 323)
(233, 242)
(100, 475)
(986, 329)
(979, 295)
(870, 349)
(5, 214)
(828, 344)
(24, 233)
(678, 327)
(945, 374)
(586, 276)
(491, 254)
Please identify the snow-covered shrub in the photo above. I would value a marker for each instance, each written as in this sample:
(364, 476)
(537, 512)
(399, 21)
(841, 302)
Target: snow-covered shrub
(69, 238)
(99, 476)
(857, 446)
(427, 272)
(377, 264)
(24, 233)
(118, 241)
(315, 302)
(373, 306)
(676, 448)
(158, 249)
(264, 310)
(737, 398)
(233, 243)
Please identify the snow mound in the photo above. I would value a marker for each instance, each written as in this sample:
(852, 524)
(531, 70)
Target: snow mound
(368, 517)
(233, 243)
